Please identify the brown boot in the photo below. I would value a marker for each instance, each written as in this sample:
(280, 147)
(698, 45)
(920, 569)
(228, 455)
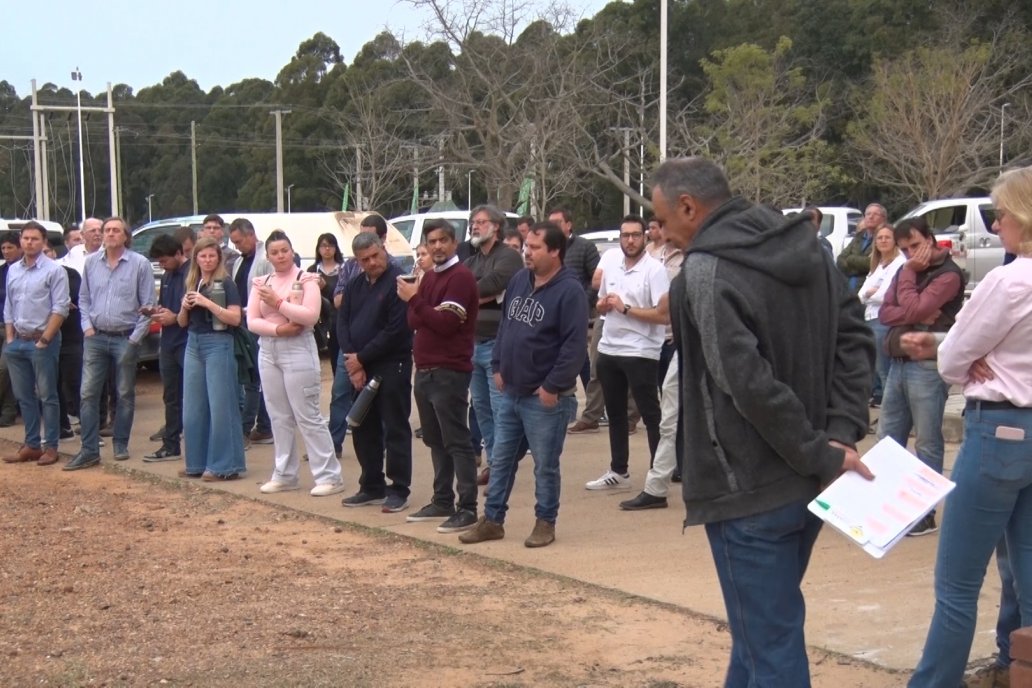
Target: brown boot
(543, 534)
(48, 458)
(24, 455)
(483, 531)
(485, 476)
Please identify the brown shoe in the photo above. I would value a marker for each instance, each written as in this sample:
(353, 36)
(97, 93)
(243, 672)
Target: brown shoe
(48, 458)
(258, 437)
(24, 455)
(483, 531)
(582, 426)
(485, 476)
(632, 428)
(543, 534)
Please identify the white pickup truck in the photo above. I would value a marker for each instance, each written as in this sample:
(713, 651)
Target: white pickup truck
(967, 224)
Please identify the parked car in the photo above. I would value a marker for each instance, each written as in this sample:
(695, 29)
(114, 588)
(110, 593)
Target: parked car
(604, 239)
(55, 232)
(965, 226)
(838, 226)
(411, 226)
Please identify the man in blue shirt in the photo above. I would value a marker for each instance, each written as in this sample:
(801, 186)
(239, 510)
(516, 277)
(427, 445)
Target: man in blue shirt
(35, 305)
(117, 285)
(168, 252)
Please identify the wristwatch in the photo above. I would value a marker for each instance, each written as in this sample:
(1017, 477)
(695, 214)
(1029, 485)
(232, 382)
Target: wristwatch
(626, 307)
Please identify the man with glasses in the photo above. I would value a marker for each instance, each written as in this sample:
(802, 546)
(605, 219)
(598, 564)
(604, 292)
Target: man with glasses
(633, 297)
(493, 264)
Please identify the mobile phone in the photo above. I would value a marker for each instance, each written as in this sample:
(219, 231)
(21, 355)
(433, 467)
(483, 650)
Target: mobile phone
(411, 279)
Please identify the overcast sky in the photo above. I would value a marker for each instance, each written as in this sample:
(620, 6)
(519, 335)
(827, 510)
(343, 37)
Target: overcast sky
(215, 42)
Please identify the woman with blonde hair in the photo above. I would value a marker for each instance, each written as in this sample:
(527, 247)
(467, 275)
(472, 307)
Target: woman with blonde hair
(987, 352)
(211, 413)
(282, 309)
(886, 260)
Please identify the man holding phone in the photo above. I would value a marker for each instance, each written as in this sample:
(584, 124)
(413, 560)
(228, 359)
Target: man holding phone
(168, 253)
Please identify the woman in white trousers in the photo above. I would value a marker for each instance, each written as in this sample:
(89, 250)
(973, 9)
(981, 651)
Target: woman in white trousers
(283, 316)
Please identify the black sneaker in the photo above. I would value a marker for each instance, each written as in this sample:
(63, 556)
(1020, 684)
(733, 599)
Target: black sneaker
(81, 461)
(361, 499)
(431, 512)
(461, 520)
(644, 501)
(926, 526)
(393, 504)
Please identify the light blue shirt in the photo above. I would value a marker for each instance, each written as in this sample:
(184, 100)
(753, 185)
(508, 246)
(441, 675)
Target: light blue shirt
(34, 293)
(111, 298)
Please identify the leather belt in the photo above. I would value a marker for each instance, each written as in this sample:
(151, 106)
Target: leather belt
(30, 336)
(114, 333)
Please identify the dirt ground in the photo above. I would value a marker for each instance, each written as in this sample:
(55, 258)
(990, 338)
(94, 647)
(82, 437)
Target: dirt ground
(112, 578)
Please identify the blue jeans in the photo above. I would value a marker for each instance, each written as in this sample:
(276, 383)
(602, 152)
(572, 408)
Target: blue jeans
(760, 561)
(915, 398)
(211, 416)
(342, 396)
(882, 360)
(484, 395)
(545, 431)
(34, 381)
(993, 498)
(101, 354)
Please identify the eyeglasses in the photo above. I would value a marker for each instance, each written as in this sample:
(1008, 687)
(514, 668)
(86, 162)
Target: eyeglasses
(631, 235)
(480, 223)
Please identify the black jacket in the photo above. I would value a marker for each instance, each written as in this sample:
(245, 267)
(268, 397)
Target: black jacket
(776, 360)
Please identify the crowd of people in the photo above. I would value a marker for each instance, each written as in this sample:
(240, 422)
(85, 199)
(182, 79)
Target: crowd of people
(749, 353)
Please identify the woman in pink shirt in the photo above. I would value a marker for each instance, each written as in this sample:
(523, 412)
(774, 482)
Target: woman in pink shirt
(987, 351)
(281, 310)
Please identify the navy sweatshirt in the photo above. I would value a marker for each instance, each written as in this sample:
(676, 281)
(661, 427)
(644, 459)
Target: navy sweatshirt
(371, 319)
(543, 335)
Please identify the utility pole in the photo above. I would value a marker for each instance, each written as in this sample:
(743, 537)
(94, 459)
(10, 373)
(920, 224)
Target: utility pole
(45, 169)
(112, 161)
(288, 197)
(1003, 112)
(662, 79)
(193, 161)
(77, 76)
(440, 169)
(118, 157)
(150, 215)
(36, 157)
(278, 114)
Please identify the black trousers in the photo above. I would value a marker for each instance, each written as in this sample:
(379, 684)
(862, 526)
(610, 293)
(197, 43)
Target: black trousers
(172, 393)
(69, 380)
(442, 398)
(386, 429)
(617, 374)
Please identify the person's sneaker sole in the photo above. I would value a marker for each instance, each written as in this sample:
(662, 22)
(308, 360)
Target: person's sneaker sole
(388, 508)
(326, 489)
(274, 487)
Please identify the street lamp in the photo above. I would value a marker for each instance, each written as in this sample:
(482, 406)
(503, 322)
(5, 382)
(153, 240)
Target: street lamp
(150, 217)
(469, 189)
(1003, 112)
(77, 76)
(288, 196)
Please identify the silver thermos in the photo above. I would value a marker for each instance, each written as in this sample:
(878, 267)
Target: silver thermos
(218, 297)
(363, 403)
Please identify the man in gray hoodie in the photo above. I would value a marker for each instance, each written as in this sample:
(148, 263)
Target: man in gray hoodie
(775, 375)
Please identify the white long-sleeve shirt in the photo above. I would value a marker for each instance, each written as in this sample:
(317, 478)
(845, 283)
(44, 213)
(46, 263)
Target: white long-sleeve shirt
(879, 280)
(996, 323)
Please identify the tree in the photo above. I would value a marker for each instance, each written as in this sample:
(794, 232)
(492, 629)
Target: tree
(763, 122)
(928, 121)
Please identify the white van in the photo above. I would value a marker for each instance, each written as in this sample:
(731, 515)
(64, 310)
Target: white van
(55, 232)
(411, 226)
(302, 228)
(838, 226)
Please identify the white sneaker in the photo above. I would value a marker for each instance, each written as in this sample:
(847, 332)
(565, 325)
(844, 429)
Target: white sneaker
(275, 486)
(610, 481)
(327, 489)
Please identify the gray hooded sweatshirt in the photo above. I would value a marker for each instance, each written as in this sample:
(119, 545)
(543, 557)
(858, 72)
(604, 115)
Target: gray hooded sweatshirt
(776, 360)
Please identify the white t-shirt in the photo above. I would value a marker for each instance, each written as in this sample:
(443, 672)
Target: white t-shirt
(879, 280)
(641, 286)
